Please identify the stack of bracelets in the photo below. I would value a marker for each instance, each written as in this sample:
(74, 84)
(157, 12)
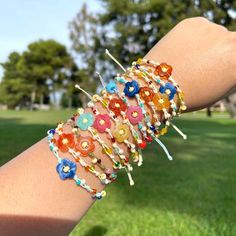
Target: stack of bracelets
(158, 98)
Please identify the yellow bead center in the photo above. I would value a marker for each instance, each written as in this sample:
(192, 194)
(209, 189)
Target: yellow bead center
(131, 89)
(164, 69)
(147, 93)
(65, 141)
(168, 92)
(84, 144)
(102, 122)
(121, 132)
(85, 120)
(134, 114)
(66, 169)
(117, 105)
(161, 101)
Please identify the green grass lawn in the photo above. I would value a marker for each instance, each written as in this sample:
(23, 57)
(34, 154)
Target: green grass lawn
(195, 194)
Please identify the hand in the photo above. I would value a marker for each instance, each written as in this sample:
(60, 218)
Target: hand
(203, 57)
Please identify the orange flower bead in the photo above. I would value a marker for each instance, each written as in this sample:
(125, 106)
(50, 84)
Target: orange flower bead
(146, 94)
(84, 145)
(161, 101)
(65, 141)
(163, 70)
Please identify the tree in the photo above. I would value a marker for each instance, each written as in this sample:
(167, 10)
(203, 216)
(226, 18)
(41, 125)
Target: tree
(46, 66)
(129, 29)
(14, 89)
(83, 33)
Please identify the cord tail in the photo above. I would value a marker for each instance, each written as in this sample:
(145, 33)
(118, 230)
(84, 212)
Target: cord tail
(113, 58)
(179, 131)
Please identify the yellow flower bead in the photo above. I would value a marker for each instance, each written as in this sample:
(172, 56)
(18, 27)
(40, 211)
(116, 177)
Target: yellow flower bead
(163, 131)
(139, 61)
(121, 132)
(161, 101)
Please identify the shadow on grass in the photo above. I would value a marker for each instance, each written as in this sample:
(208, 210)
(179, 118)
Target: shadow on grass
(97, 230)
(200, 181)
(15, 137)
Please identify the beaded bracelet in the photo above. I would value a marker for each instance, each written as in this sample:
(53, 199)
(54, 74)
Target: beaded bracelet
(67, 169)
(112, 89)
(167, 90)
(147, 119)
(162, 71)
(85, 122)
(158, 97)
(150, 95)
(84, 147)
(113, 113)
(132, 90)
(147, 95)
(116, 107)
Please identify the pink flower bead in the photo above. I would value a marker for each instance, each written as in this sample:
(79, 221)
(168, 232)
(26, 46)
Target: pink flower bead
(102, 122)
(134, 114)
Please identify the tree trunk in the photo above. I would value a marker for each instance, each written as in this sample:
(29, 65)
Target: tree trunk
(69, 105)
(32, 99)
(230, 105)
(53, 96)
(209, 112)
(41, 99)
(83, 99)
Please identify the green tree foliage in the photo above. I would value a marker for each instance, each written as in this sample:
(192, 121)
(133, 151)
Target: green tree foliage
(45, 67)
(14, 89)
(129, 29)
(83, 33)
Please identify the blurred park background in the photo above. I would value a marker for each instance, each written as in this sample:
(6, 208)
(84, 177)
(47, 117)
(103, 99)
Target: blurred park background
(48, 46)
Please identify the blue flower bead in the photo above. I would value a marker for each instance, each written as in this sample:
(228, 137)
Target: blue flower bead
(111, 87)
(66, 169)
(131, 88)
(85, 120)
(52, 131)
(171, 88)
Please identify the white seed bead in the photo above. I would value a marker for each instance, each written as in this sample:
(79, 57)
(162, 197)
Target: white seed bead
(132, 146)
(144, 128)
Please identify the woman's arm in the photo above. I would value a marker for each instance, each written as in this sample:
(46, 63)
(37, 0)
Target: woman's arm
(34, 199)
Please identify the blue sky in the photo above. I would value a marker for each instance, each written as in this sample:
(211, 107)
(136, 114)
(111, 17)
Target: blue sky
(24, 21)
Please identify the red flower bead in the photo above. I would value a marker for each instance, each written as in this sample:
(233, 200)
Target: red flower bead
(134, 114)
(117, 105)
(146, 94)
(65, 141)
(163, 70)
(102, 122)
(84, 145)
(142, 145)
